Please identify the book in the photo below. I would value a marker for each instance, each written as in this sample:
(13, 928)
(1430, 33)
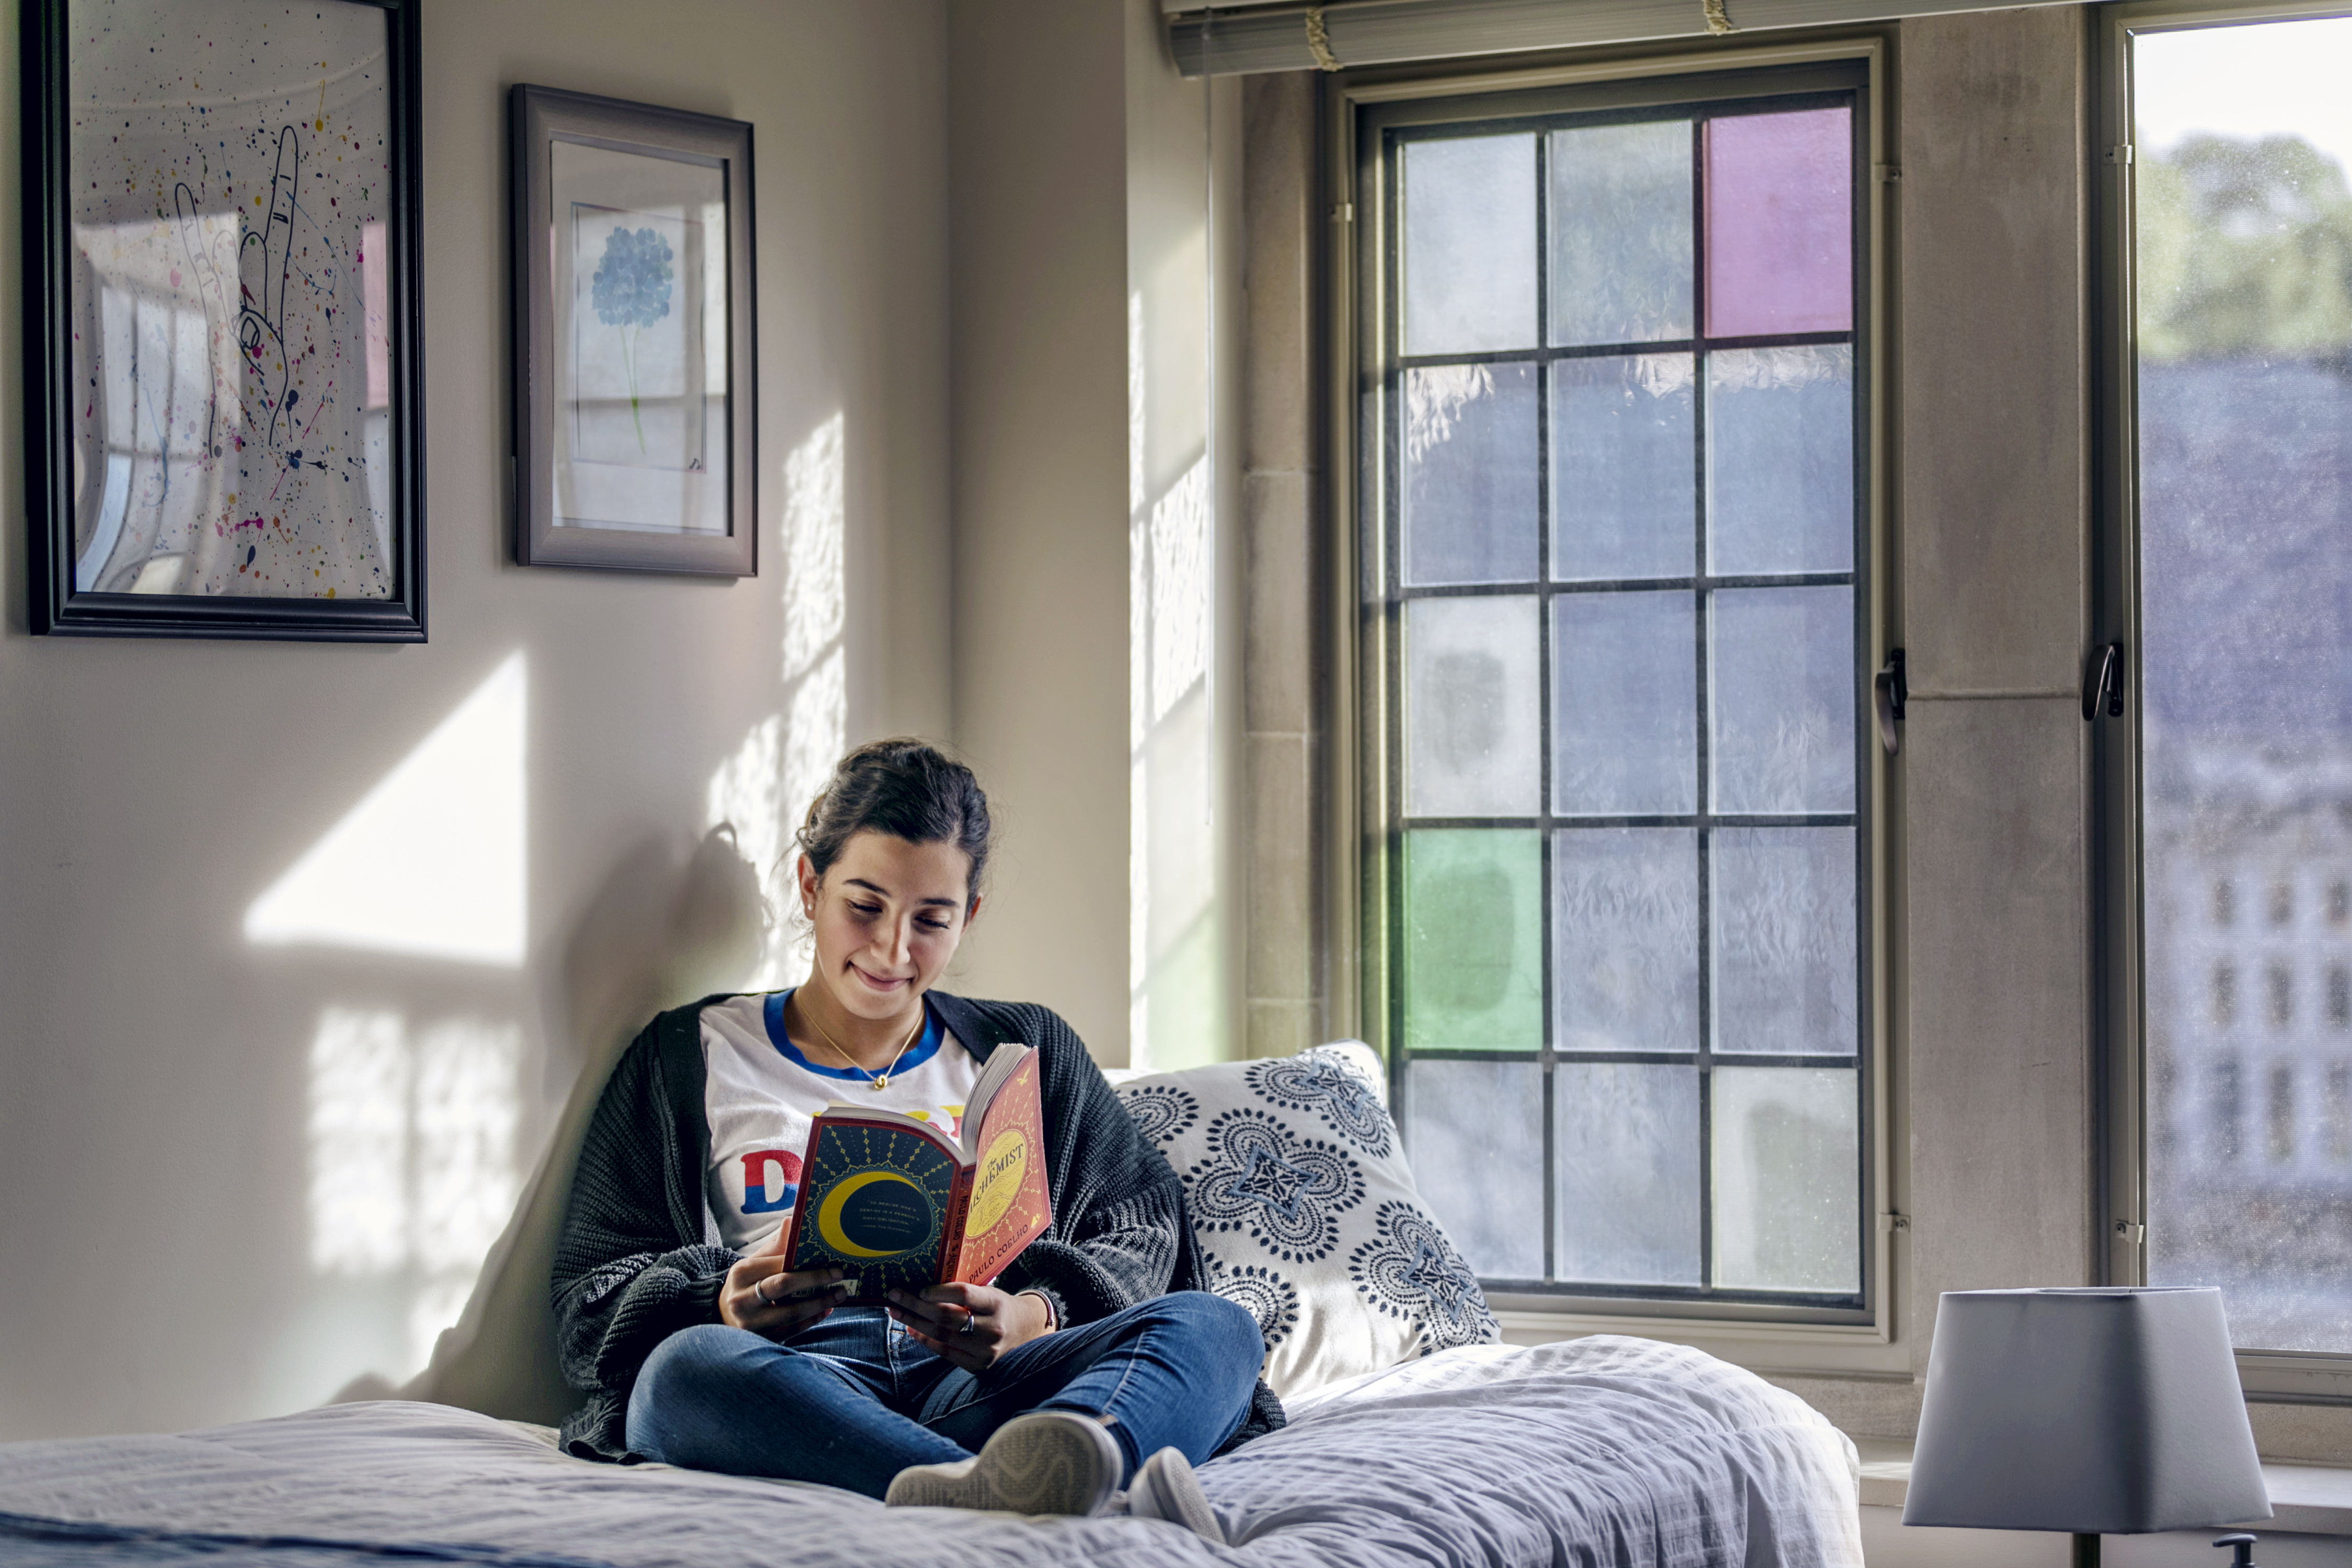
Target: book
(902, 1205)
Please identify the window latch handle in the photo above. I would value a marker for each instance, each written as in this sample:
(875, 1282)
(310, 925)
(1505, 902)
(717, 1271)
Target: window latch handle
(1889, 693)
(2103, 683)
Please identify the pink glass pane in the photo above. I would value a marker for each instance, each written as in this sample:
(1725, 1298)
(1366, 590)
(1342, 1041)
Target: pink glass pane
(1780, 223)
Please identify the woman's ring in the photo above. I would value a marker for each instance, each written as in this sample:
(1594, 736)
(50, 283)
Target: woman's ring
(759, 1289)
(967, 1324)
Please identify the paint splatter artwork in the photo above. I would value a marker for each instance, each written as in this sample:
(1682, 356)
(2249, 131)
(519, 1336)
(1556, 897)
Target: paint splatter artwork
(228, 167)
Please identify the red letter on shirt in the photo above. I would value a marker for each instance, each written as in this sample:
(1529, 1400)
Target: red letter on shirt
(755, 1181)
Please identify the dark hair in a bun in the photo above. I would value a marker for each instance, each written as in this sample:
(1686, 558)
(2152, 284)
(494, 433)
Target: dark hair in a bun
(907, 788)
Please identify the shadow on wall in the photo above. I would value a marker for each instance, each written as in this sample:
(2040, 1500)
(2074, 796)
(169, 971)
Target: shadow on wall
(658, 930)
(417, 1129)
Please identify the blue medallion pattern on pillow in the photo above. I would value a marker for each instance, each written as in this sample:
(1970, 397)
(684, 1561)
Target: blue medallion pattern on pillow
(1304, 1212)
(1321, 1085)
(1162, 1110)
(1285, 1191)
(1267, 1296)
(1410, 1270)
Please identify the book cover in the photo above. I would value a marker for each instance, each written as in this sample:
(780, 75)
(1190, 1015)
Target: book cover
(875, 1199)
(900, 1206)
(1009, 1207)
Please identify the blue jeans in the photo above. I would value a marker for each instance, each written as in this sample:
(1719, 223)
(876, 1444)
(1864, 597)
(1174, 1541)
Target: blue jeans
(853, 1400)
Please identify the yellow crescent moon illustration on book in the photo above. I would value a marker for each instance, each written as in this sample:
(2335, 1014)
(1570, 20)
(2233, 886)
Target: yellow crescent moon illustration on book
(829, 1214)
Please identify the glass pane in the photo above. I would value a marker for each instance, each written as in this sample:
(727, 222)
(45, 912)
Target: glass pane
(1785, 948)
(1628, 1166)
(1473, 939)
(1470, 474)
(1469, 245)
(1471, 708)
(230, 431)
(1624, 704)
(1781, 688)
(1474, 1133)
(1779, 223)
(1624, 926)
(1787, 1157)
(1780, 460)
(1621, 487)
(2245, 451)
(1621, 233)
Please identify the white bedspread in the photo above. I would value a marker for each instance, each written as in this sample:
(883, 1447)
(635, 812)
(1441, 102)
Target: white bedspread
(1599, 1453)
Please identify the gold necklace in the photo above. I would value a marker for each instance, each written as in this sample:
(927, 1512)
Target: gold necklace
(881, 1079)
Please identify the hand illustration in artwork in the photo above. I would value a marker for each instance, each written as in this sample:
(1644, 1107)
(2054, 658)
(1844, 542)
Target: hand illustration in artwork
(260, 317)
(631, 291)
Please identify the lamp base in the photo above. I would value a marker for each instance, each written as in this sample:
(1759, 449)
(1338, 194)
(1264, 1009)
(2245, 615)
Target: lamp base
(2086, 1551)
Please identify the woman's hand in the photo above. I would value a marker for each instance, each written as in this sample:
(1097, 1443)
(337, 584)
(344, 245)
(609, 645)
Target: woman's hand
(971, 1325)
(763, 1295)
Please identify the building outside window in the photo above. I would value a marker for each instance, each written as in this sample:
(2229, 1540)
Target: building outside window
(2233, 515)
(1615, 531)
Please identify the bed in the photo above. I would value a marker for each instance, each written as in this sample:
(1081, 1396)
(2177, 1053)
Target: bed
(1606, 1452)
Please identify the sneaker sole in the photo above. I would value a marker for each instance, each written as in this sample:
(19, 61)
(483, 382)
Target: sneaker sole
(1165, 1488)
(1047, 1461)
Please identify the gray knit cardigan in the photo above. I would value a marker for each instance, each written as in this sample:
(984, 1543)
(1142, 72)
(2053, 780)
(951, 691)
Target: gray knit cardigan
(638, 1260)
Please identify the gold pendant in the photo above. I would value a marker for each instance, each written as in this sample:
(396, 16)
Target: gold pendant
(882, 1082)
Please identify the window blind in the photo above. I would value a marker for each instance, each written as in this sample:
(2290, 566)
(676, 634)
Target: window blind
(1234, 40)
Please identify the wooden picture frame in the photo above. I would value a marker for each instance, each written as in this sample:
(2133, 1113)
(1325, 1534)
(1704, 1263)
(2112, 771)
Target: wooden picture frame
(224, 405)
(634, 409)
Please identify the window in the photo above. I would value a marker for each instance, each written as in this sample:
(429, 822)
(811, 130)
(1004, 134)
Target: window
(1612, 515)
(2230, 792)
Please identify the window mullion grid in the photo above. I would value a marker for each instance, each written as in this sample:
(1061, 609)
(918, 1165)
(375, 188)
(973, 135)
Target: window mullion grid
(1550, 354)
(1702, 585)
(1545, 1060)
(1393, 618)
(1701, 603)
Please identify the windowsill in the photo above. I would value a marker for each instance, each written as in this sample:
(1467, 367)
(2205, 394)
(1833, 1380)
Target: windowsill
(2305, 1499)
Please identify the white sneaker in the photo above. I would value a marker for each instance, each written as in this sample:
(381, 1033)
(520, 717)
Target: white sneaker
(1165, 1488)
(1046, 1461)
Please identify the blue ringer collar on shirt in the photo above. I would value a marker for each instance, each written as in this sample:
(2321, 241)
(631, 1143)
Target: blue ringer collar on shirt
(919, 1053)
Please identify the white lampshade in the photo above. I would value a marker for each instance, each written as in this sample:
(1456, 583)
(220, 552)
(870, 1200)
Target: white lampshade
(2106, 1412)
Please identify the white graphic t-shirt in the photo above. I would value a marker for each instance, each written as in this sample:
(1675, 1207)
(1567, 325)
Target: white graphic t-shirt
(761, 1094)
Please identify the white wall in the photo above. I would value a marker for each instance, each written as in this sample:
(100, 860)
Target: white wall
(1037, 126)
(157, 1098)
(1187, 925)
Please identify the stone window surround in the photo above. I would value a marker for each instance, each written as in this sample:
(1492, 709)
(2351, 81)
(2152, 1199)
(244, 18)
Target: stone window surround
(1988, 561)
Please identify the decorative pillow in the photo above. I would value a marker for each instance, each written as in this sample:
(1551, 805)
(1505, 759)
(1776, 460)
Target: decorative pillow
(1305, 1212)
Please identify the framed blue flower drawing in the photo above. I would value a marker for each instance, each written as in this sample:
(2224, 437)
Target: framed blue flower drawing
(224, 418)
(634, 409)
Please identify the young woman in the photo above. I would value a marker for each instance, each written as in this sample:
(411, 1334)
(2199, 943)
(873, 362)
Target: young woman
(1092, 1363)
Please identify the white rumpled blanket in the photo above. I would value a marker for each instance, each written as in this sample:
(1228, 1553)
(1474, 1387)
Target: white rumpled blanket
(1597, 1453)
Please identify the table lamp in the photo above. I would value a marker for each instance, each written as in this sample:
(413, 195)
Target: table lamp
(2097, 1412)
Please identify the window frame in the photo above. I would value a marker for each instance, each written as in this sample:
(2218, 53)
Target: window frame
(1356, 874)
(2119, 913)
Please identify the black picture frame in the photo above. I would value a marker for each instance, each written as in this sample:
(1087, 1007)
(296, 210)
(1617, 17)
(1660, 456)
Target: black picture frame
(59, 606)
(539, 119)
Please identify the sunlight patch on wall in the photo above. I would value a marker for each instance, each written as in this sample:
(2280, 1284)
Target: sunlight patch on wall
(1175, 1019)
(814, 522)
(412, 1156)
(1172, 977)
(764, 789)
(431, 862)
(1179, 589)
(1136, 497)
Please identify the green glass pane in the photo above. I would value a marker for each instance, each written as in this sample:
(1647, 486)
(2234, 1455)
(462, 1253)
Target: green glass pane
(1474, 940)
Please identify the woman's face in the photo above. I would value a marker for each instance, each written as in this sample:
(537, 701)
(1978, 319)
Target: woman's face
(888, 917)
